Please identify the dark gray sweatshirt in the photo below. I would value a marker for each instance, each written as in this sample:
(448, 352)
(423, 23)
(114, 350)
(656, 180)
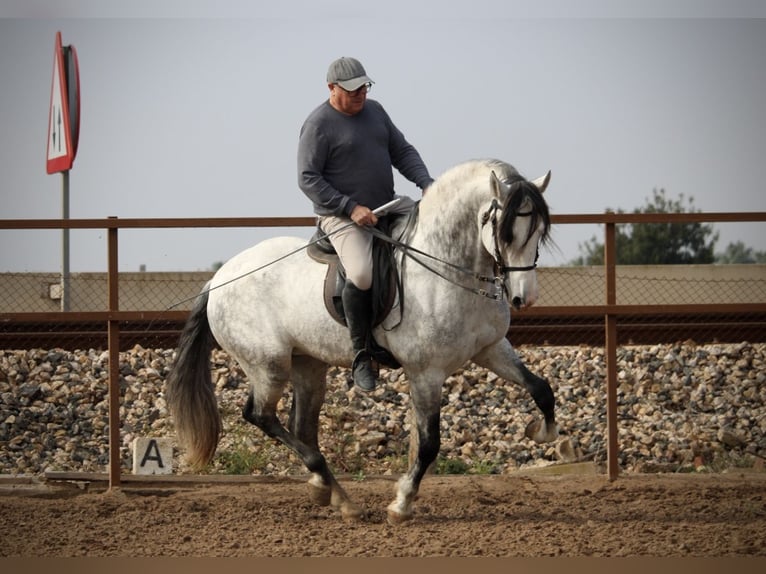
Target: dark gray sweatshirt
(347, 160)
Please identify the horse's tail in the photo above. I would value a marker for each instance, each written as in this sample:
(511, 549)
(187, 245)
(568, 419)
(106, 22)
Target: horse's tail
(190, 394)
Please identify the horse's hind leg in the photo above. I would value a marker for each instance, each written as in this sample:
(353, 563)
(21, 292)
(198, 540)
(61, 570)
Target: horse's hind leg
(267, 383)
(309, 388)
(503, 360)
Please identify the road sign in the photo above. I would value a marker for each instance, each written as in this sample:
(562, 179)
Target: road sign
(64, 112)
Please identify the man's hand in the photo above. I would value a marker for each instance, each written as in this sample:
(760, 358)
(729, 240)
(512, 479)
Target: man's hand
(362, 215)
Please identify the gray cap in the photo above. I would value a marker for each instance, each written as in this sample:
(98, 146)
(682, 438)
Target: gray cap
(348, 73)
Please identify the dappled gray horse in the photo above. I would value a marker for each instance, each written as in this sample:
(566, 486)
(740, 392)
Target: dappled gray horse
(479, 228)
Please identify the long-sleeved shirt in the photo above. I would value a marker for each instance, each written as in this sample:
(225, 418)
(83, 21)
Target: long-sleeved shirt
(347, 160)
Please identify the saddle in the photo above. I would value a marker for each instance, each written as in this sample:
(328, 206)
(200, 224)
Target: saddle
(385, 282)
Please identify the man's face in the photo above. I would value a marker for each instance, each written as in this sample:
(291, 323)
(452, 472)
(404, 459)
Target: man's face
(350, 103)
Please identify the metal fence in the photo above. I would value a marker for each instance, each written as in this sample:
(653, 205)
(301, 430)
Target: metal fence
(599, 306)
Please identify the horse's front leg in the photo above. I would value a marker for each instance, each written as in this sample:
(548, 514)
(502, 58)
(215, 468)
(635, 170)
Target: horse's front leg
(503, 360)
(425, 390)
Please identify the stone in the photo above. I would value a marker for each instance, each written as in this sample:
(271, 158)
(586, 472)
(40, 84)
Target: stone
(675, 402)
(728, 437)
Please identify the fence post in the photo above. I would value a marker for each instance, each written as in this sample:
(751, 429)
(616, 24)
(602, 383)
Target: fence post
(113, 341)
(610, 320)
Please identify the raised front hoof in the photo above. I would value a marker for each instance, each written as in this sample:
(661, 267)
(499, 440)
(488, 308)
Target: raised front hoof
(351, 512)
(540, 432)
(320, 495)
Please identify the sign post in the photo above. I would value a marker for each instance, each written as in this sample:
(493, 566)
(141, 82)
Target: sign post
(63, 135)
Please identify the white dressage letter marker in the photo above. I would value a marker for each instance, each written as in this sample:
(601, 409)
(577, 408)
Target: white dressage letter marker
(152, 456)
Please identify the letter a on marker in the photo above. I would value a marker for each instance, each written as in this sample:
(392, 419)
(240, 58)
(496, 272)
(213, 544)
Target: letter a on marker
(152, 446)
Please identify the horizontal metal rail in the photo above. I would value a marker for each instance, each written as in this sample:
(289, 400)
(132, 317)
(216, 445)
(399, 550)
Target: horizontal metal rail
(610, 315)
(180, 222)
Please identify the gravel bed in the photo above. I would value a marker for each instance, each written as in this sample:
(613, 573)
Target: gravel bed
(682, 407)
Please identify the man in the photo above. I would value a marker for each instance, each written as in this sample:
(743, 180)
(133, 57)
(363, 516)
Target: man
(346, 151)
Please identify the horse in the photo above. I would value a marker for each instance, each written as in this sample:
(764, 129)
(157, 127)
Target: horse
(479, 226)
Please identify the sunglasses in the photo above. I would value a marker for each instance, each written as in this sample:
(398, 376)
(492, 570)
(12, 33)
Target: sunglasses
(363, 89)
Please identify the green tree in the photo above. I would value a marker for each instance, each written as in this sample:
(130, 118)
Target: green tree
(738, 252)
(656, 243)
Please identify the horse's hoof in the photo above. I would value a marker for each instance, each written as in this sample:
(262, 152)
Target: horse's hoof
(540, 432)
(320, 495)
(396, 515)
(397, 518)
(351, 512)
(565, 452)
(532, 430)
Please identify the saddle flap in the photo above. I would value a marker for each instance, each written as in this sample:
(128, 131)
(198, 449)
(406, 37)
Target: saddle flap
(384, 279)
(320, 248)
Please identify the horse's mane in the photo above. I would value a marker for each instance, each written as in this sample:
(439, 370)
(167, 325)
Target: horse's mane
(453, 182)
(469, 182)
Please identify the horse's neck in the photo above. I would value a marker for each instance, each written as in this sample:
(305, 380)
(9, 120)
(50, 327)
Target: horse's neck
(447, 228)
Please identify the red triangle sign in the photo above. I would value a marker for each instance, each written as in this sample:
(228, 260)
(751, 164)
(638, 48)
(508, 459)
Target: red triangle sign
(60, 152)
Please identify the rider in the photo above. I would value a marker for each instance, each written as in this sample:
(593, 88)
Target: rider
(346, 151)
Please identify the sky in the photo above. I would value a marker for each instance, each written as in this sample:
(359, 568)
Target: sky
(193, 109)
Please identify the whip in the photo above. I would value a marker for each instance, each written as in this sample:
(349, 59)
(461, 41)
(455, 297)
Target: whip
(382, 210)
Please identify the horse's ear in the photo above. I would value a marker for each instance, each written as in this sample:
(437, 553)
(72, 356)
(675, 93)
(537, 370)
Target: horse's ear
(496, 185)
(542, 182)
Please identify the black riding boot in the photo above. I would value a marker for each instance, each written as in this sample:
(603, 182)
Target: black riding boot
(357, 305)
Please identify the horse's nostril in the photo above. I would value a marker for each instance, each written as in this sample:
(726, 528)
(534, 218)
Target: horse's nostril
(516, 302)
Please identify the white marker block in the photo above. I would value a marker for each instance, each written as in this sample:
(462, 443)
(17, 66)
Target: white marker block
(152, 456)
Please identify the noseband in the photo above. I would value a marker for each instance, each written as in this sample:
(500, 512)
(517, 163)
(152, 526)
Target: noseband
(491, 216)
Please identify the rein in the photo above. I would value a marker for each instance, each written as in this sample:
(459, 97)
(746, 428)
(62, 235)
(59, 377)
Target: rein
(408, 251)
(498, 281)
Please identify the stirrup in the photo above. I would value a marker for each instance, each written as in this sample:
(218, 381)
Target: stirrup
(368, 376)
